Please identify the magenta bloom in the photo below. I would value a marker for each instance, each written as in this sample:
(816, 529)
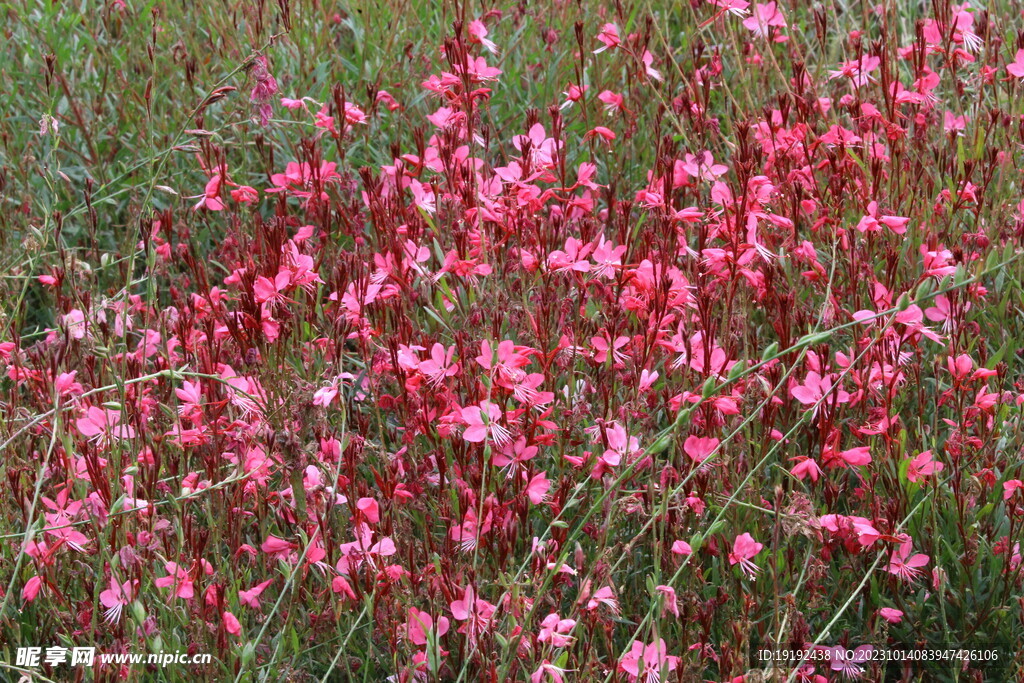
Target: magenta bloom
(893, 616)
(419, 624)
(1016, 69)
(699, 448)
(648, 662)
(922, 466)
(178, 581)
(904, 564)
(744, 548)
(483, 421)
(251, 597)
(815, 388)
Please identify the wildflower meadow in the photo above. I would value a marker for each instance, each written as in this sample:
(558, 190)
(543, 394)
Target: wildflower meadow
(556, 341)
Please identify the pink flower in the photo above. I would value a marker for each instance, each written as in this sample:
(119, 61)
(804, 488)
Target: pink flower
(1010, 487)
(861, 455)
(703, 167)
(514, 456)
(735, 7)
(681, 548)
(574, 258)
(872, 221)
(1016, 69)
(849, 663)
(537, 489)
(922, 466)
(620, 445)
(951, 123)
(743, 549)
(669, 594)
(510, 361)
(604, 347)
(647, 59)
(115, 598)
(607, 257)
(31, 589)
(101, 426)
(231, 624)
(604, 596)
(210, 199)
(609, 36)
(265, 289)
(905, 565)
(857, 70)
(278, 547)
(647, 379)
(574, 93)
(478, 34)
(543, 151)
(244, 194)
(483, 421)
(555, 630)
(369, 509)
(439, 366)
(476, 612)
(699, 448)
(549, 671)
(961, 366)
(764, 18)
(179, 581)
(893, 616)
(251, 597)
(613, 103)
(418, 625)
(648, 662)
(805, 467)
(815, 388)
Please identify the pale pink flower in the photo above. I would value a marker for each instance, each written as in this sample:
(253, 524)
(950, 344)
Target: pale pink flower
(476, 612)
(609, 37)
(703, 167)
(101, 426)
(556, 630)
(478, 34)
(604, 596)
(115, 598)
(765, 17)
(549, 671)
(669, 595)
(537, 489)
(815, 388)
